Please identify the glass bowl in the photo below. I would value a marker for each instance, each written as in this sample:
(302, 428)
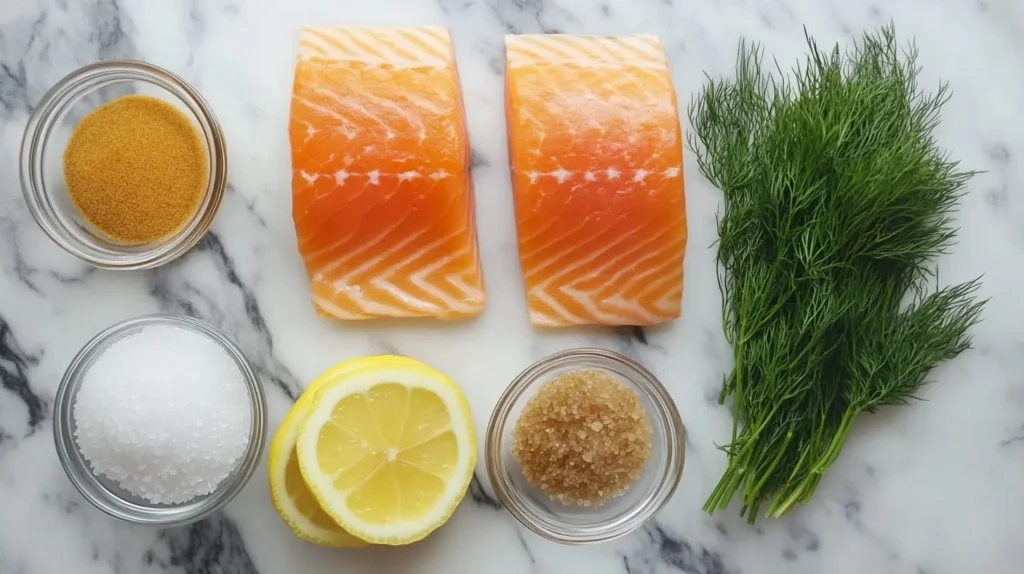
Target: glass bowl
(42, 158)
(105, 493)
(617, 517)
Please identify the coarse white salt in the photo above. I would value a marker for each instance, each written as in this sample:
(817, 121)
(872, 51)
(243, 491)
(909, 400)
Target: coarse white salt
(164, 412)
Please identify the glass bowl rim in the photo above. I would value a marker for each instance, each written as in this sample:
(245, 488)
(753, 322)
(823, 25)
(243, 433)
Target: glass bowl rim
(38, 131)
(86, 482)
(665, 415)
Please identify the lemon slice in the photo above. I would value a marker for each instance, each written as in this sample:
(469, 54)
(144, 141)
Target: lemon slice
(388, 450)
(288, 491)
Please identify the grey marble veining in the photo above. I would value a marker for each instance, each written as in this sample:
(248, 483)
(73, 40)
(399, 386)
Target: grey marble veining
(935, 488)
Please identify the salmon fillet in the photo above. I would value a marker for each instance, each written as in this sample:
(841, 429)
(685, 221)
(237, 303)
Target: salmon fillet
(381, 192)
(596, 154)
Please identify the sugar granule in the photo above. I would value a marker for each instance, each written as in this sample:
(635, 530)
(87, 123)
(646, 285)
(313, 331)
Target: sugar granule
(583, 439)
(136, 169)
(165, 413)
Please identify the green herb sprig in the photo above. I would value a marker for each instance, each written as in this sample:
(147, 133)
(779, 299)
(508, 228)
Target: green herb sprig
(836, 203)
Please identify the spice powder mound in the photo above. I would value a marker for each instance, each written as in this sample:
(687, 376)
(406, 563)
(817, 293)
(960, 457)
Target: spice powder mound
(136, 169)
(583, 439)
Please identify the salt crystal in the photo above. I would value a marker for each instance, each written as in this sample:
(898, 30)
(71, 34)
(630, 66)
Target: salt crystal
(165, 412)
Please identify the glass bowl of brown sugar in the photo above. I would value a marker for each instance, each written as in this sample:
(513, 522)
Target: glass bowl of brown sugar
(585, 446)
(123, 165)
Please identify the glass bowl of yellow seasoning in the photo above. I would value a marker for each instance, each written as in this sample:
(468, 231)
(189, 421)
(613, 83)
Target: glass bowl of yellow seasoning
(585, 446)
(123, 165)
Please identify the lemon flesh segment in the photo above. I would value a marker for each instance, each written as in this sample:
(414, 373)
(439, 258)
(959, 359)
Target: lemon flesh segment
(292, 499)
(388, 451)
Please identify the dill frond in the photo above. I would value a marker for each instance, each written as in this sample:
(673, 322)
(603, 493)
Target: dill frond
(837, 201)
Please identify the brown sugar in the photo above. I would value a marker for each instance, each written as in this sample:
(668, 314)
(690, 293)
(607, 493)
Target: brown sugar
(136, 169)
(583, 439)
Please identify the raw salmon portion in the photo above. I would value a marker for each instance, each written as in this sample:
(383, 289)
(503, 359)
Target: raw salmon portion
(381, 191)
(596, 154)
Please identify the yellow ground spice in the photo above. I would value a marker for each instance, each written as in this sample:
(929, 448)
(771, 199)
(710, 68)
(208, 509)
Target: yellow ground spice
(583, 439)
(136, 169)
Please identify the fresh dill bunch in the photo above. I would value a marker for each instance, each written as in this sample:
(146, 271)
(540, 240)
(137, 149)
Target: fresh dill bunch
(837, 201)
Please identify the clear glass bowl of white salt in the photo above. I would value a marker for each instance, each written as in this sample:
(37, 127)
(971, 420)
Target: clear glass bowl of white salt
(160, 420)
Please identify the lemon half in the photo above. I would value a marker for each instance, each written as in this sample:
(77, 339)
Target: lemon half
(388, 450)
(288, 492)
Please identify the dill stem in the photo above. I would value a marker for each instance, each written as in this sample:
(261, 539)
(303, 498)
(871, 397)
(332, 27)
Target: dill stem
(737, 466)
(777, 503)
(836, 445)
(723, 491)
(737, 388)
(778, 510)
(752, 494)
(803, 490)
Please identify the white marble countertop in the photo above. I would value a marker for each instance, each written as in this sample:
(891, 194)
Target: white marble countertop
(934, 488)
